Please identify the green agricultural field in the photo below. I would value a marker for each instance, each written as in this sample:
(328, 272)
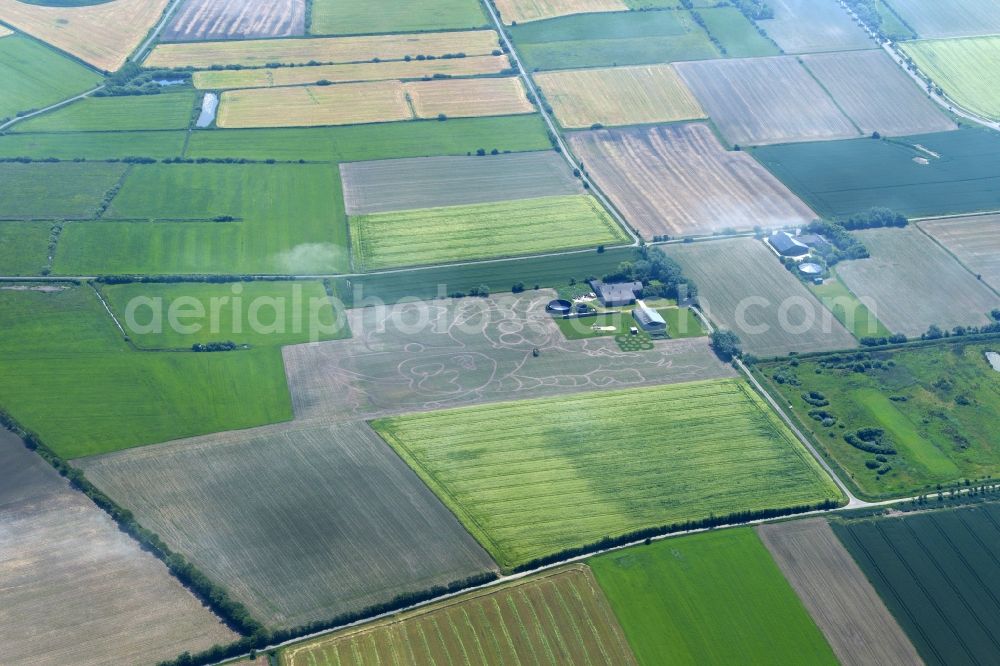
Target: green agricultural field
(93, 145)
(968, 70)
(35, 76)
(167, 111)
(259, 314)
(67, 374)
(421, 138)
(25, 247)
(739, 37)
(334, 17)
(849, 310)
(480, 231)
(681, 323)
(555, 618)
(561, 474)
(606, 40)
(285, 219)
(715, 598)
(947, 173)
(938, 405)
(938, 573)
(44, 191)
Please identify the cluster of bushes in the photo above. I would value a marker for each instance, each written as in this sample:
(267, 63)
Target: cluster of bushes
(755, 10)
(844, 245)
(870, 440)
(482, 291)
(131, 79)
(935, 332)
(786, 375)
(815, 398)
(661, 276)
(868, 12)
(214, 347)
(874, 218)
(882, 341)
(726, 345)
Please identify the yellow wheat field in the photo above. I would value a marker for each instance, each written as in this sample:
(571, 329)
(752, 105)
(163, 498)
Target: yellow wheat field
(468, 97)
(366, 71)
(302, 106)
(325, 49)
(103, 35)
(522, 11)
(619, 96)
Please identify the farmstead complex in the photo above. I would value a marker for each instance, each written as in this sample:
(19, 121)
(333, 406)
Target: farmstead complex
(467, 332)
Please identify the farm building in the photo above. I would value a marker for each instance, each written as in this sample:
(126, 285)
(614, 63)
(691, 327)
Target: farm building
(649, 319)
(787, 245)
(619, 293)
(815, 241)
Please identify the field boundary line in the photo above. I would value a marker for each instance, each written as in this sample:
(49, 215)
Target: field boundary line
(57, 105)
(955, 256)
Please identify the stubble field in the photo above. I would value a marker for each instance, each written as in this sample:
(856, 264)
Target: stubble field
(456, 233)
(618, 96)
(302, 106)
(556, 618)
(35, 77)
(561, 474)
(345, 524)
(968, 70)
(808, 26)
(765, 100)
(523, 11)
(679, 181)
(836, 593)
(468, 97)
(63, 559)
(236, 19)
(102, 35)
(975, 241)
(424, 182)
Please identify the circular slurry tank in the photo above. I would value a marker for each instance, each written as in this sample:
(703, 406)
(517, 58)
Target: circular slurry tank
(811, 269)
(559, 306)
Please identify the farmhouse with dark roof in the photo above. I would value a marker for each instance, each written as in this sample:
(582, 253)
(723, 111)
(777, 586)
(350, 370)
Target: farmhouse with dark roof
(619, 293)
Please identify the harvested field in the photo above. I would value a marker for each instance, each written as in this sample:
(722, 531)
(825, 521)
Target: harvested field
(714, 598)
(301, 106)
(45, 191)
(765, 100)
(743, 287)
(100, 34)
(947, 173)
(435, 354)
(336, 17)
(344, 525)
(955, 18)
(938, 573)
(968, 70)
(975, 241)
(836, 593)
(259, 53)
(426, 182)
(679, 181)
(523, 11)
(456, 233)
(619, 96)
(468, 97)
(808, 26)
(270, 77)
(116, 114)
(35, 76)
(62, 559)
(876, 94)
(561, 473)
(915, 283)
(236, 19)
(559, 617)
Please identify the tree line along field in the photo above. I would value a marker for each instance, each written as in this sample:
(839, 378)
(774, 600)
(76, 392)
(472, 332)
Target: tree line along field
(63, 559)
(958, 18)
(555, 618)
(946, 173)
(67, 374)
(260, 53)
(935, 405)
(810, 26)
(744, 288)
(708, 598)
(913, 283)
(269, 77)
(36, 77)
(618, 96)
(235, 19)
(380, 186)
(832, 587)
(678, 180)
(344, 524)
(974, 241)
(102, 35)
(966, 69)
(215, 218)
(937, 571)
(339, 18)
(453, 233)
(166, 111)
(372, 102)
(562, 475)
